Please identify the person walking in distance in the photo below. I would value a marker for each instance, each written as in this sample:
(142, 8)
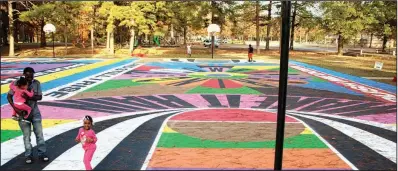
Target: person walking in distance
(34, 117)
(189, 51)
(250, 54)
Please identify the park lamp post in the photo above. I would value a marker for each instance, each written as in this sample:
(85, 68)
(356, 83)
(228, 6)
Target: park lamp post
(50, 28)
(212, 29)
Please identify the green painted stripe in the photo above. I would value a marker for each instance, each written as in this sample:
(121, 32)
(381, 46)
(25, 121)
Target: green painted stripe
(290, 70)
(9, 134)
(316, 79)
(177, 140)
(114, 84)
(205, 90)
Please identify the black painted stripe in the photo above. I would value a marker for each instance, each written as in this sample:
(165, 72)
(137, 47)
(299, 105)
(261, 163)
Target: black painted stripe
(57, 145)
(212, 99)
(233, 101)
(357, 153)
(387, 134)
(221, 83)
(131, 152)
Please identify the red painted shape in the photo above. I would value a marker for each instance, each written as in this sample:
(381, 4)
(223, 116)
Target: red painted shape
(232, 84)
(212, 83)
(146, 68)
(394, 79)
(229, 115)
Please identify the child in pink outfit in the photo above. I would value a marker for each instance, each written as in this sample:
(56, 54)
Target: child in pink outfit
(87, 138)
(19, 89)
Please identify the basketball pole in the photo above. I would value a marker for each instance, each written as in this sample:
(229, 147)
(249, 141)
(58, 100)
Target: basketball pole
(283, 75)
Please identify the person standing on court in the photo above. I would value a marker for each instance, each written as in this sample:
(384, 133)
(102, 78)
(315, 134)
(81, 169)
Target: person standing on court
(189, 51)
(250, 54)
(34, 118)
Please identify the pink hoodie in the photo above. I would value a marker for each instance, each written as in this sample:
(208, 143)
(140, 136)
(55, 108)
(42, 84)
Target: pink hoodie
(83, 135)
(18, 99)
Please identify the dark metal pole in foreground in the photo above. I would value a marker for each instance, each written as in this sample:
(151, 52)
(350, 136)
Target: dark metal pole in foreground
(53, 46)
(212, 45)
(284, 62)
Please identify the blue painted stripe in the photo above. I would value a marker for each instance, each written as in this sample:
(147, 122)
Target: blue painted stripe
(383, 86)
(66, 80)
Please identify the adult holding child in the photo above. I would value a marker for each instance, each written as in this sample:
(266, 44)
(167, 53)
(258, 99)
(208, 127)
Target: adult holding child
(34, 118)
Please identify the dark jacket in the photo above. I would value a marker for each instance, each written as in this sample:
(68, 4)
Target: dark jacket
(251, 49)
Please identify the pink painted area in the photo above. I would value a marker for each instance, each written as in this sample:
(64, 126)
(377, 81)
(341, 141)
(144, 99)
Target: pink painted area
(146, 68)
(195, 99)
(388, 118)
(48, 112)
(228, 115)
(222, 99)
(123, 77)
(248, 101)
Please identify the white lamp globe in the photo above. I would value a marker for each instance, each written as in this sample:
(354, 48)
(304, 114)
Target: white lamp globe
(49, 28)
(213, 28)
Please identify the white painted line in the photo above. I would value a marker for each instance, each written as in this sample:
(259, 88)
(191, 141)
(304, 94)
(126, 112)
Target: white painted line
(381, 145)
(155, 143)
(15, 146)
(372, 123)
(64, 92)
(327, 144)
(108, 139)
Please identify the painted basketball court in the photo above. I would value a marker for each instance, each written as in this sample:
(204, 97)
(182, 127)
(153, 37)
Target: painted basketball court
(191, 114)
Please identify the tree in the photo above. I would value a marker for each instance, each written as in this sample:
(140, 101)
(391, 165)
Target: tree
(11, 29)
(38, 16)
(108, 10)
(301, 15)
(258, 26)
(183, 15)
(268, 25)
(344, 19)
(383, 20)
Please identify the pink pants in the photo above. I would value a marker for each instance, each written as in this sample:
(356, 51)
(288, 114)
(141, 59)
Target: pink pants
(24, 107)
(88, 155)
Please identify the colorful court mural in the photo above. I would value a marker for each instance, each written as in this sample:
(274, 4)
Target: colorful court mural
(190, 114)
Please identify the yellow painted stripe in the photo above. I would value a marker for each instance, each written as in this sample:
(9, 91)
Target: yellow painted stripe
(167, 129)
(9, 124)
(45, 78)
(307, 131)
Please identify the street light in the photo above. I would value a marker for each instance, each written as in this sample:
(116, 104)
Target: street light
(50, 28)
(212, 29)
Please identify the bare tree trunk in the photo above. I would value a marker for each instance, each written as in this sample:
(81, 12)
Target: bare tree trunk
(185, 35)
(11, 29)
(371, 39)
(268, 25)
(92, 40)
(258, 26)
(108, 34)
(66, 39)
(112, 43)
(293, 25)
(385, 38)
(172, 34)
(43, 42)
(340, 45)
(132, 38)
(306, 36)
